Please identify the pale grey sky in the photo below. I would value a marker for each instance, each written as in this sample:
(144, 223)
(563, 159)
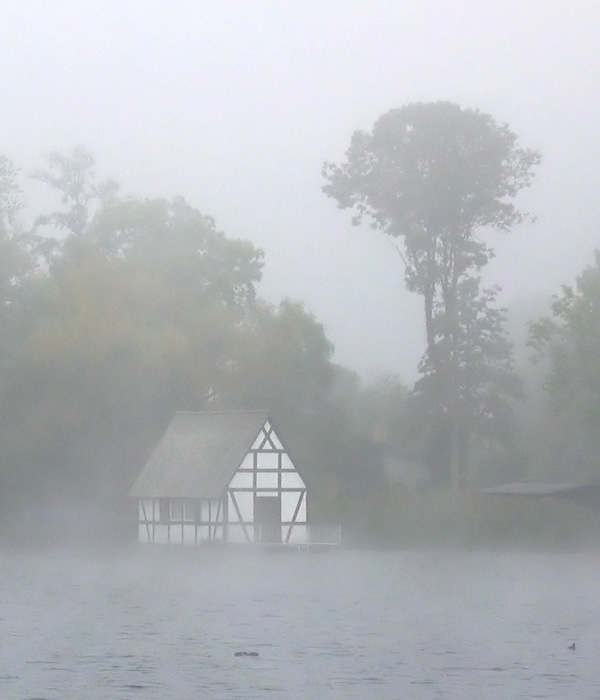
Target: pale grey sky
(236, 104)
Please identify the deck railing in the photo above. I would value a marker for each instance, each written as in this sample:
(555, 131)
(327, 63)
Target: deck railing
(325, 535)
(301, 536)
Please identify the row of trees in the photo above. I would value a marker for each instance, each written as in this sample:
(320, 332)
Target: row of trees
(438, 179)
(567, 343)
(116, 311)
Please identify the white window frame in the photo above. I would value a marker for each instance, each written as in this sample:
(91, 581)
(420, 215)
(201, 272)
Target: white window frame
(176, 509)
(189, 510)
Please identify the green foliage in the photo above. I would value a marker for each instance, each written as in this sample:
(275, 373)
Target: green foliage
(72, 176)
(473, 385)
(435, 176)
(175, 243)
(281, 360)
(569, 340)
(134, 320)
(16, 246)
(10, 193)
(143, 308)
(441, 518)
(18, 261)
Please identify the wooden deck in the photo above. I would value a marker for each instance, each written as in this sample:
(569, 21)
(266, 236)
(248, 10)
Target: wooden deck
(315, 537)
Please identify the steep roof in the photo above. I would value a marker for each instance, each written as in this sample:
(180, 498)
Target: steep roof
(198, 454)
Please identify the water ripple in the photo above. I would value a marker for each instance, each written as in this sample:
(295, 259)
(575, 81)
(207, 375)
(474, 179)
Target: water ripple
(390, 624)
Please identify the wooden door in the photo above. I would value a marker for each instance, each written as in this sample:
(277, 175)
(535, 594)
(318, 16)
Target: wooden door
(267, 518)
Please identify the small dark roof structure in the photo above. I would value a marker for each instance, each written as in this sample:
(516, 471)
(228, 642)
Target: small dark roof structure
(532, 488)
(198, 454)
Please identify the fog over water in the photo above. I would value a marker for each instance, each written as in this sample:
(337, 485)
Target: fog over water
(236, 106)
(348, 625)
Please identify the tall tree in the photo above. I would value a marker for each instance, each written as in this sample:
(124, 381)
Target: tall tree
(436, 177)
(476, 377)
(72, 176)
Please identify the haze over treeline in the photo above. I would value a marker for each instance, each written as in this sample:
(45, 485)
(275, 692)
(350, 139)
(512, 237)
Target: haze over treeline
(236, 105)
(119, 310)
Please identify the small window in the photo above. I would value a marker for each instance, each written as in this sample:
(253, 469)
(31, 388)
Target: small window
(176, 510)
(161, 514)
(189, 510)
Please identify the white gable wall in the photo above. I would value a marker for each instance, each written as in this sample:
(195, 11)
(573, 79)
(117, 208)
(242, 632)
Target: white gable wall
(266, 472)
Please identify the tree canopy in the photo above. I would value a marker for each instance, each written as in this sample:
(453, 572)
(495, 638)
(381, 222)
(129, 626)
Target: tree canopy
(568, 340)
(436, 177)
(117, 310)
(139, 308)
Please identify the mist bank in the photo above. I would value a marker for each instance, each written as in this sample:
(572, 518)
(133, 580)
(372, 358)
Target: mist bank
(441, 519)
(117, 311)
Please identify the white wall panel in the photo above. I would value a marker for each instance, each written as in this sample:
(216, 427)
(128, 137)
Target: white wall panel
(302, 511)
(216, 510)
(143, 533)
(247, 462)
(176, 533)
(267, 460)
(276, 441)
(160, 534)
(202, 511)
(189, 534)
(236, 534)
(291, 480)
(298, 535)
(233, 516)
(289, 501)
(286, 462)
(266, 480)
(148, 508)
(245, 503)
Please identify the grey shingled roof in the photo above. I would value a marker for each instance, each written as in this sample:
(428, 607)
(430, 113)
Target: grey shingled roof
(198, 454)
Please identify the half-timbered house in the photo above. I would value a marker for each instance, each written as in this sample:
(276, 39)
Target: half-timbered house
(225, 477)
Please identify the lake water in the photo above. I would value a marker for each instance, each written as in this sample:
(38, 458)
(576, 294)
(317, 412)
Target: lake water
(346, 624)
